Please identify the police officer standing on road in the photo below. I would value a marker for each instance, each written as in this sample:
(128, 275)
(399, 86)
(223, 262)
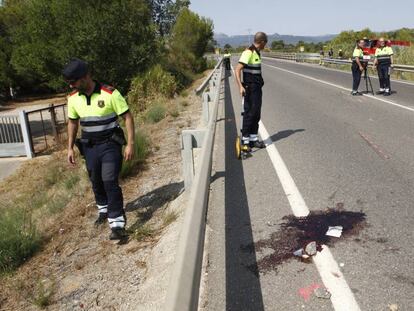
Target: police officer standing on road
(383, 62)
(97, 107)
(358, 66)
(250, 63)
(226, 59)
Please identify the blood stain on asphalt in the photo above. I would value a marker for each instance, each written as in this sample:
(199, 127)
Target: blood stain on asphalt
(295, 233)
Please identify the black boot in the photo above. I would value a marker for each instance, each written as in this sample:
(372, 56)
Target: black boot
(118, 234)
(102, 217)
(257, 144)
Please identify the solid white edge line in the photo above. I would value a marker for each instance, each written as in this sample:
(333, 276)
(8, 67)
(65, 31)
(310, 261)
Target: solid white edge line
(342, 298)
(296, 201)
(341, 87)
(337, 70)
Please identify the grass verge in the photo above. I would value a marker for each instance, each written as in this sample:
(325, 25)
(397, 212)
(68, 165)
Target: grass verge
(19, 237)
(156, 113)
(141, 150)
(29, 200)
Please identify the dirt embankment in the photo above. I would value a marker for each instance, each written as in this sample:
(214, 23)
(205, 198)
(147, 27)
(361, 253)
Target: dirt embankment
(79, 269)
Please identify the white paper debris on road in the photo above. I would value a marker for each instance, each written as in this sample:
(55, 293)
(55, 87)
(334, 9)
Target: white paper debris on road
(335, 231)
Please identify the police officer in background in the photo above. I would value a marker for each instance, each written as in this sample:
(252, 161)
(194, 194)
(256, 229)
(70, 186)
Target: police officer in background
(226, 59)
(250, 63)
(96, 108)
(383, 62)
(358, 66)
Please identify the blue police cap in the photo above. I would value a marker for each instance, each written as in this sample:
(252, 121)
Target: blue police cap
(75, 69)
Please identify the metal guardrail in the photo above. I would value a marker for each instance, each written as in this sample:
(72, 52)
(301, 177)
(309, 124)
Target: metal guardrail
(298, 57)
(183, 290)
(396, 67)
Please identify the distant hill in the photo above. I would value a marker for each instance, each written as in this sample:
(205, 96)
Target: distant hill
(240, 40)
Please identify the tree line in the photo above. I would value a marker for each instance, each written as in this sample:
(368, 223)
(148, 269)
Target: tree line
(120, 40)
(345, 41)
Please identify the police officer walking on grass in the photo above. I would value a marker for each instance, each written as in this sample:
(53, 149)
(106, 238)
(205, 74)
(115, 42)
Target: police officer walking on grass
(96, 108)
(383, 63)
(250, 63)
(358, 66)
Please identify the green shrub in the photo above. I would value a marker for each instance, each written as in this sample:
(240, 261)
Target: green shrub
(184, 93)
(211, 63)
(141, 149)
(155, 83)
(19, 238)
(156, 113)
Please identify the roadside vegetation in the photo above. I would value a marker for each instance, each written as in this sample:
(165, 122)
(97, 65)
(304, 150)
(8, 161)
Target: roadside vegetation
(150, 50)
(32, 199)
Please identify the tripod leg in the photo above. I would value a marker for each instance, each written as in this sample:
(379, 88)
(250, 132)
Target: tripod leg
(370, 84)
(366, 81)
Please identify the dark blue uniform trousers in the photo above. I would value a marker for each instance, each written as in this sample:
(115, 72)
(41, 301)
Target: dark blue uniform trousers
(104, 162)
(384, 75)
(356, 76)
(252, 108)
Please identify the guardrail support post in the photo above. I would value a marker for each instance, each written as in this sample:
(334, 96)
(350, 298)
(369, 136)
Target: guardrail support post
(190, 139)
(27, 137)
(206, 107)
(212, 87)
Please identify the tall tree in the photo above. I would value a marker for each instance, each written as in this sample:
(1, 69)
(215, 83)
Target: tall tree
(115, 37)
(165, 12)
(187, 44)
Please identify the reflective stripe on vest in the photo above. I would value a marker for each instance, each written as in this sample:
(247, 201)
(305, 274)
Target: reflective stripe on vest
(253, 69)
(98, 119)
(99, 123)
(99, 128)
(383, 55)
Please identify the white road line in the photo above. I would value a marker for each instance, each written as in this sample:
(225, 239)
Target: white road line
(337, 70)
(342, 298)
(341, 87)
(296, 201)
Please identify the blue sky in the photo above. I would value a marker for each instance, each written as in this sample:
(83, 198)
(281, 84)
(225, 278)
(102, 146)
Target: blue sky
(305, 17)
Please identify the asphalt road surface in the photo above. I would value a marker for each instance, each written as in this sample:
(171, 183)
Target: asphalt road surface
(341, 160)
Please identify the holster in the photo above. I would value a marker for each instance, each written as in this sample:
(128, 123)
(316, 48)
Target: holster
(118, 136)
(79, 142)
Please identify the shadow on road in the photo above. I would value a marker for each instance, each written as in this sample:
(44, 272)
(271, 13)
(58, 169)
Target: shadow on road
(284, 134)
(243, 291)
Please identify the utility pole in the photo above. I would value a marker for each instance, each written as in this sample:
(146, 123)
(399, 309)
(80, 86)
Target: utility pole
(249, 30)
